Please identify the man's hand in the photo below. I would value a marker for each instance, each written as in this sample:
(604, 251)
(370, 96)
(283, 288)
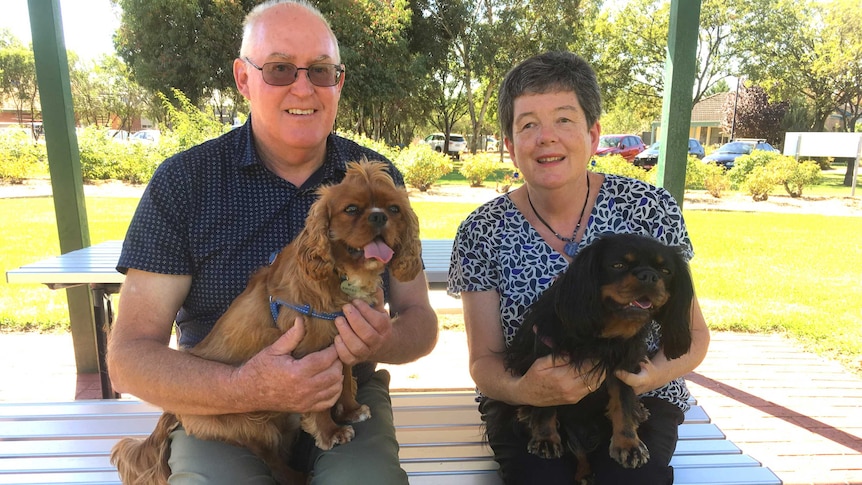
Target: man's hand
(363, 331)
(281, 383)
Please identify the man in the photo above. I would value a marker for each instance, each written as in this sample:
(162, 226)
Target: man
(214, 214)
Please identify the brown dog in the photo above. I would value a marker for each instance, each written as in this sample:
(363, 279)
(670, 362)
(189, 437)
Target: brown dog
(352, 232)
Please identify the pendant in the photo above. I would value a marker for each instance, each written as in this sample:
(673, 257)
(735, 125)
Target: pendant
(570, 249)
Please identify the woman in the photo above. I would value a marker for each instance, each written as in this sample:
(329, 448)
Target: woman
(509, 250)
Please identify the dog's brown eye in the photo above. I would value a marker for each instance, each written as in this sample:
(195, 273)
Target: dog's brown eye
(351, 209)
(394, 208)
(618, 266)
(666, 271)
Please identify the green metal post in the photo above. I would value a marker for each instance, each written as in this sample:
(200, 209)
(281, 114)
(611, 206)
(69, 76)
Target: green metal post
(678, 84)
(58, 120)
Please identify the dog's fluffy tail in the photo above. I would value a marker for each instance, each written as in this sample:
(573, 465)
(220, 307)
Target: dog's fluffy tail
(145, 461)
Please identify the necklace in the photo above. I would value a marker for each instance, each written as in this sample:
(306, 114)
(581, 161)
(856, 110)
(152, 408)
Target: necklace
(571, 244)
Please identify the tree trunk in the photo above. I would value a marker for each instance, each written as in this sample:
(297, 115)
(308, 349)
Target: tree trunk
(848, 175)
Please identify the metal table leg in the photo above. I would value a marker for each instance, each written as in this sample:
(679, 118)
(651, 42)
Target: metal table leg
(103, 319)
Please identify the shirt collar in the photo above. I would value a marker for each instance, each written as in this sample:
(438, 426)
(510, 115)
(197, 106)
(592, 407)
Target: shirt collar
(332, 171)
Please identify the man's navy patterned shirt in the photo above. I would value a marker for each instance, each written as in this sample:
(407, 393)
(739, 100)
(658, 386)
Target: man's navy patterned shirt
(217, 213)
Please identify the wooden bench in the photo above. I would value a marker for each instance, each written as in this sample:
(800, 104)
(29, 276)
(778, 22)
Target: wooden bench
(439, 432)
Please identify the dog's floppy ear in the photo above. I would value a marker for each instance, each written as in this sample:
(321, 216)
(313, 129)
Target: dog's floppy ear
(315, 253)
(407, 261)
(581, 283)
(675, 316)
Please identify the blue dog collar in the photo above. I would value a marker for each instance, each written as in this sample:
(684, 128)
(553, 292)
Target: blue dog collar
(276, 304)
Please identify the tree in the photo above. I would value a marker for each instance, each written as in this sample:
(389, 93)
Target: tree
(104, 94)
(184, 44)
(380, 66)
(472, 31)
(18, 79)
(755, 116)
(719, 87)
(800, 47)
(845, 18)
(633, 54)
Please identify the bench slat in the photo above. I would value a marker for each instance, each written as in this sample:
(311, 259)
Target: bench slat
(440, 435)
(468, 463)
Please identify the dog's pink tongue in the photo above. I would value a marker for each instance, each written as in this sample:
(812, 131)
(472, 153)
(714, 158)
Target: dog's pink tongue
(642, 303)
(377, 249)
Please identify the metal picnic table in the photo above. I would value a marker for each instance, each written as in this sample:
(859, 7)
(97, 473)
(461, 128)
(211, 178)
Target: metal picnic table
(95, 266)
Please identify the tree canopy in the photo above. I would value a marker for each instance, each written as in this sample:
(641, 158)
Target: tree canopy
(415, 65)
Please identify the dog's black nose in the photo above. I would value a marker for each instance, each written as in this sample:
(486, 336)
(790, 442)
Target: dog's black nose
(377, 219)
(647, 276)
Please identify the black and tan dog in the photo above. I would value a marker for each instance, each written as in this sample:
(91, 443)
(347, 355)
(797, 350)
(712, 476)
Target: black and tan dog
(600, 311)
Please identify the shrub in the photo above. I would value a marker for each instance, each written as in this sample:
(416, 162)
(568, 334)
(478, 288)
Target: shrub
(715, 179)
(746, 164)
(505, 185)
(617, 165)
(19, 155)
(99, 160)
(793, 175)
(695, 173)
(380, 147)
(135, 163)
(422, 166)
(189, 125)
(477, 168)
(759, 183)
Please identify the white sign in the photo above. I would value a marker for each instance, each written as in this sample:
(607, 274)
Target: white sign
(822, 144)
(826, 145)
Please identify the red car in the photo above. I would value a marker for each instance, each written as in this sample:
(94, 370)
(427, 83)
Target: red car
(625, 145)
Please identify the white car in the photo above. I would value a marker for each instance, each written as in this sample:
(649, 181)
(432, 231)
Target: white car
(146, 136)
(491, 144)
(457, 143)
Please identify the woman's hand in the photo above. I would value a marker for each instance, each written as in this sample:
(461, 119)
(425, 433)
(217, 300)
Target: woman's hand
(554, 381)
(645, 380)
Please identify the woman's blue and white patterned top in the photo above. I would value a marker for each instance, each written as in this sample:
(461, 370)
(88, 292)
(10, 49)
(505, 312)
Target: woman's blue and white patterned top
(497, 249)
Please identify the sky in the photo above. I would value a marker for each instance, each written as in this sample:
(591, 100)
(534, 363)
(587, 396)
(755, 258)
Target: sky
(88, 25)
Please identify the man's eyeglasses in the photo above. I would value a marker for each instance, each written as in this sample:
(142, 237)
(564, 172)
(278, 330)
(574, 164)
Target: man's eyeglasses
(285, 73)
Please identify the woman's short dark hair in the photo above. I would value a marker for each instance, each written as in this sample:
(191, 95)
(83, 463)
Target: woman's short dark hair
(550, 72)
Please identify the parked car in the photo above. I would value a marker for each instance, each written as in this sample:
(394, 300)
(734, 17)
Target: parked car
(117, 135)
(727, 154)
(457, 143)
(649, 157)
(625, 145)
(491, 144)
(146, 136)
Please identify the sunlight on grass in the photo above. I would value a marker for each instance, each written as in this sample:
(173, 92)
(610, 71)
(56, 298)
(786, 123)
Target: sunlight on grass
(791, 273)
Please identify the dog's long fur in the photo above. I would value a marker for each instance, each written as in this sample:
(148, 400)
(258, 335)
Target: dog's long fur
(335, 259)
(600, 311)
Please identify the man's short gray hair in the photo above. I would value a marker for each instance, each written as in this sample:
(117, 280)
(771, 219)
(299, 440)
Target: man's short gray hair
(255, 14)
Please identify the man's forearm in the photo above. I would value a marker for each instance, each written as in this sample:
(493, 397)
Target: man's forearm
(414, 335)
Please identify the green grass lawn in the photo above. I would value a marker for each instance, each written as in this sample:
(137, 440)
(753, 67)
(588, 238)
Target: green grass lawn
(755, 272)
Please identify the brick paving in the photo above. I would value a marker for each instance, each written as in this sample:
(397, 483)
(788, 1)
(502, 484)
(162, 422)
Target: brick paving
(796, 412)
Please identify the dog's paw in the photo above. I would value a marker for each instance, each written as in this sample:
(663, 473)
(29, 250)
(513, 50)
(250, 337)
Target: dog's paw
(340, 436)
(630, 453)
(360, 414)
(641, 413)
(545, 448)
